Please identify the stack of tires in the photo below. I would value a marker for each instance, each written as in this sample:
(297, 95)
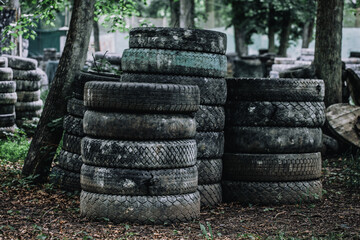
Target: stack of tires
(190, 57)
(139, 153)
(66, 174)
(7, 99)
(307, 54)
(273, 141)
(28, 84)
(112, 61)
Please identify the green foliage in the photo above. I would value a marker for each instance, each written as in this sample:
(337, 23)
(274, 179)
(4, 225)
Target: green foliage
(351, 170)
(207, 233)
(14, 148)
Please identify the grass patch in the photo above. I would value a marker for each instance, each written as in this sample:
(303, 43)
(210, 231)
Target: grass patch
(14, 148)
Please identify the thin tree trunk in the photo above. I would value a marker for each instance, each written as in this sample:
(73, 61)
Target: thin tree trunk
(241, 47)
(96, 36)
(49, 130)
(210, 11)
(187, 13)
(328, 48)
(271, 28)
(175, 13)
(285, 33)
(307, 34)
(357, 20)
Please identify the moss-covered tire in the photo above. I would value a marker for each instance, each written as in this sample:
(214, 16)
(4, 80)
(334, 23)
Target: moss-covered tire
(174, 62)
(140, 209)
(272, 193)
(22, 63)
(144, 97)
(73, 125)
(212, 90)
(271, 167)
(210, 170)
(29, 75)
(210, 144)
(26, 85)
(3, 62)
(70, 161)
(7, 120)
(178, 39)
(210, 194)
(279, 114)
(139, 126)
(6, 74)
(27, 96)
(76, 107)
(273, 140)
(138, 182)
(279, 89)
(139, 154)
(7, 86)
(7, 109)
(28, 106)
(8, 98)
(65, 180)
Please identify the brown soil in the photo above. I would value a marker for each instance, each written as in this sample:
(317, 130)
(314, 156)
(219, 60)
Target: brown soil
(33, 212)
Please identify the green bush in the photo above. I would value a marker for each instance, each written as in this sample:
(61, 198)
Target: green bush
(14, 148)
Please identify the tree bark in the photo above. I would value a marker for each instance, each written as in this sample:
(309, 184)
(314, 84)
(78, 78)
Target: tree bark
(49, 130)
(285, 33)
(175, 13)
(187, 13)
(307, 34)
(241, 47)
(96, 36)
(327, 60)
(271, 28)
(357, 20)
(210, 11)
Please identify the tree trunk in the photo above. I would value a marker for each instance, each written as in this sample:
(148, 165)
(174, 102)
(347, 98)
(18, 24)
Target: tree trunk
(96, 36)
(328, 48)
(187, 13)
(285, 33)
(241, 47)
(357, 20)
(271, 28)
(307, 34)
(49, 130)
(210, 11)
(175, 13)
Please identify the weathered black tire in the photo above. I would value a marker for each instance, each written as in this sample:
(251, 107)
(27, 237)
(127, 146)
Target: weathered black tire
(70, 161)
(178, 39)
(330, 144)
(273, 140)
(212, 90)
(8, 98)
(271, 167)
(210, 170)
(7, 86)
(112, 58)
(5, 131)
(76, 107)
(3, 62)
(26, 85)
(72, 143)
(83, 77)
(174, 62)
(22, 63)
(134, 182)
(28, 114)
(6, 74)
(73, 125)
(7, 120)
(28, 106)
(29, 75)
(24, 96)
(7, 109)
(210, 118)
(65, 180)
(140, 209)
(144, 97)
(282, 89)
(279, 114)
(273, 193)
(138, 126)
(139, 154)
(210, 144)
(210, 194)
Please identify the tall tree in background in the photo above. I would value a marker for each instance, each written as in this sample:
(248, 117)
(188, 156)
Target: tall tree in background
(187, 13)
(328, 48)
(96, 35)
(174, 13)
(49, 130)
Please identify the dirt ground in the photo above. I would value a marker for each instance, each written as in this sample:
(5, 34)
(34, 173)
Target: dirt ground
(33, 212)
